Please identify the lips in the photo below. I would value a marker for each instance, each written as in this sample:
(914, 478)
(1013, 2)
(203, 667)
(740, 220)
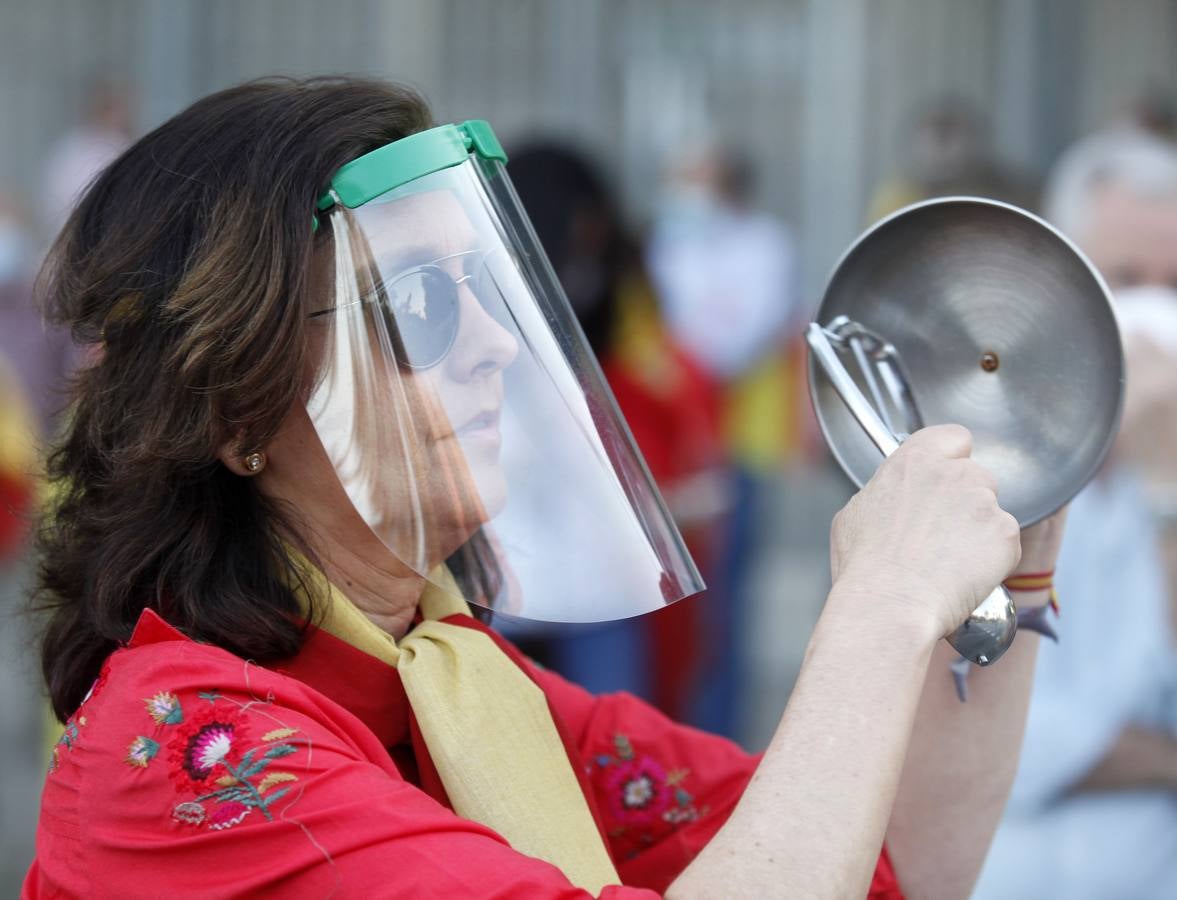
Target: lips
(485, 424)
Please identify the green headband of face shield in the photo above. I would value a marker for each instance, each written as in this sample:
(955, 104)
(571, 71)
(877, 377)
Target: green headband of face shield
(408, 159)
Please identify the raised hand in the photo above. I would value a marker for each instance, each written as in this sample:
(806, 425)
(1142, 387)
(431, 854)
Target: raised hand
(926, 532)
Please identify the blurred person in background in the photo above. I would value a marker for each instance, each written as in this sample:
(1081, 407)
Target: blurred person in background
(1155, 112)
(724, 271)
(40, 357)
(671, 407)
(1148, 438)
(238, 724)
(85, 150)
(36, 361)
(947, 153)
(1093, 813)
(18, 467)
(31, 363)
(21, 703)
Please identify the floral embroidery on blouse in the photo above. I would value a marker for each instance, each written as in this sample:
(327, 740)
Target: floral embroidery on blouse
(141, 751)
(76, 722)
(69, 737)
(164, 708)
(210, 755)
(641, 796)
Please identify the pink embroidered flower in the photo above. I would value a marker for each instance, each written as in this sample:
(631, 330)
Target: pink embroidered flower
(637, 791)
(226, 815)
(210, 758)
(207, 749)
(202, 746)
(644, 800)
(210, 748)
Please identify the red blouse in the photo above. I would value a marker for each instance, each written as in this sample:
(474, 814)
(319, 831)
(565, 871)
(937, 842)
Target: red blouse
(189, 771)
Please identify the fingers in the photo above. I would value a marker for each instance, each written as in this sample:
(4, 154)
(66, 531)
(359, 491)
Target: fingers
(975, 474)
(992, 525)
(941, 454)
(947, 448)
(1013, 532)
(936, 507)
(952, 441)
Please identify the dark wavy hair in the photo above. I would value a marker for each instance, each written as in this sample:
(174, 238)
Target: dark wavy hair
(187, 267)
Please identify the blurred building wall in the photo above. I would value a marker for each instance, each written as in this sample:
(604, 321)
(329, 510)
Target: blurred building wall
(818, 90)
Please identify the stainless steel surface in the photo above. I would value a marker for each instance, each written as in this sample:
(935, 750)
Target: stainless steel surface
(848, 391)
(1001, 325)
(866, 366)
(989, 631)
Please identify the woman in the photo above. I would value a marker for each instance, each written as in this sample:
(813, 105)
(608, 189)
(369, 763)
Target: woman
(337, 391)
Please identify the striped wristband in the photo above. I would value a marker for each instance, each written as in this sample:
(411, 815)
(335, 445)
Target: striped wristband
(1034, 581)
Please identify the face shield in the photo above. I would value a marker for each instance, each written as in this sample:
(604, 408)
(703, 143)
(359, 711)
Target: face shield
(459, 404)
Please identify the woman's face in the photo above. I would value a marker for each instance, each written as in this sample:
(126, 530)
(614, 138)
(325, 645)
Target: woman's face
(463, 390)
(409, 452)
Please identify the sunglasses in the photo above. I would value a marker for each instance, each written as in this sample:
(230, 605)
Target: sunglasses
(421, 306)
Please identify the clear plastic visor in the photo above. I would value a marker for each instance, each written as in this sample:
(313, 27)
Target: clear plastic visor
(468, 423)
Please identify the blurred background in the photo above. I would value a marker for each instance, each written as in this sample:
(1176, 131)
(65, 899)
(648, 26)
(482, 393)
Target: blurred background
(695, 169)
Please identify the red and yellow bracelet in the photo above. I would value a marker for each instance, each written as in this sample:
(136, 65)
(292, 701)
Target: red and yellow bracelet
(1034, 581)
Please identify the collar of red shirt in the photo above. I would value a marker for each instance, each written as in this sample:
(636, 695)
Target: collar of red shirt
(366, 687)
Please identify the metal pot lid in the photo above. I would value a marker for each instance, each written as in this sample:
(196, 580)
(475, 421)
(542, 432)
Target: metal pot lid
(1002, 326)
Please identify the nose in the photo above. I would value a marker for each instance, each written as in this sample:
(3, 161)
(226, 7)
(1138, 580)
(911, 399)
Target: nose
(482, 346)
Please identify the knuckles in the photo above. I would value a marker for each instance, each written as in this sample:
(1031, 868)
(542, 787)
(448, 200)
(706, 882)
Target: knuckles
(952, 441)
(1010, 528)
(982, 476)
(981, 499)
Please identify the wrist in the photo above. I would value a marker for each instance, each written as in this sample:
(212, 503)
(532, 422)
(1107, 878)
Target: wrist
(897, 613)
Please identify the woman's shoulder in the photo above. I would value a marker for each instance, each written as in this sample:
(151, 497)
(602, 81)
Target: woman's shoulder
(188, 733)
(193, 768)
(158, 649)
(177, 739)
(146, 683)
(163, 688)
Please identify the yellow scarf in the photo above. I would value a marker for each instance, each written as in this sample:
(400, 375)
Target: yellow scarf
(489, 732)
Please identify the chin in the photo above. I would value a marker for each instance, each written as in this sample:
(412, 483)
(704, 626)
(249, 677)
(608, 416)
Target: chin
(492, 490)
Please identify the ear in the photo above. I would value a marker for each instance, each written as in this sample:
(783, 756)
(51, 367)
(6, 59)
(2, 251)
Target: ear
(233, 458)
(244, 463)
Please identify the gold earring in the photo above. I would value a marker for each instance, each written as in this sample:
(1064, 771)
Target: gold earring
(255, 462)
